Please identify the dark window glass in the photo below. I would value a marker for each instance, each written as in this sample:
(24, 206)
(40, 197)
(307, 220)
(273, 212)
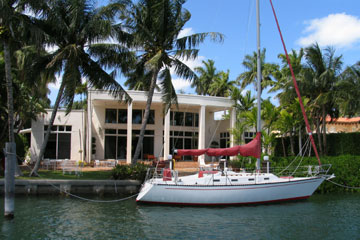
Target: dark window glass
(196, 119)
(187, 144)
(188, 134)
(149, 132)
(110, 147)
(64, 145)
(177, 133)
(148, 145)
(45, 127)
(151, 119)
(122, 116)
(110, 131)
(61, 128)
(68, 128)
(54, 128)
(121, 148)
(50, 151)
(122, 131)
(136, 132)
(223, 143)
(189, 119)
(178, 118)
(110, 116)
(172, 118)
(137, 116)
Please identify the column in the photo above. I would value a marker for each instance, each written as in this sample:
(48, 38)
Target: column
(166, 135)
(202, 132)
(89, 128)
(129, 134)
(232, 126)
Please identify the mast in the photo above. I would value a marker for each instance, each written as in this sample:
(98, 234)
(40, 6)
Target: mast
(258, 124)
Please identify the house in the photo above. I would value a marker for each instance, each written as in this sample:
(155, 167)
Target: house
(342, 124)
(109, 129)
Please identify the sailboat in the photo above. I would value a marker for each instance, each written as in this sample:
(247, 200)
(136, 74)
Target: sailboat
(223, 185)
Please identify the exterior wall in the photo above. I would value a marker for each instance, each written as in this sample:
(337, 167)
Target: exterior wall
(342, 127)
(75, 119)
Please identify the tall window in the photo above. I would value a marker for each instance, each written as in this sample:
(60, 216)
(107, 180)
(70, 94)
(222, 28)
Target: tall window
(248, 136)
(186, 119)
(148, 142)
(115, 143)
(138, 116)
(59, 143)
(183, 140)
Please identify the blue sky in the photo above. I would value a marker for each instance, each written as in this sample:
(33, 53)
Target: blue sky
(329, 22)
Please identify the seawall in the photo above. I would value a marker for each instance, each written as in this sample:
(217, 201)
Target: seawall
(62, 187)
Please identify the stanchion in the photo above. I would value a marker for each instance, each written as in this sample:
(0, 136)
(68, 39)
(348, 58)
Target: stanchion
(10, 161)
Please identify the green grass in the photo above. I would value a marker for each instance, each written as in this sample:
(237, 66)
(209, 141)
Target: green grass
(48, 174)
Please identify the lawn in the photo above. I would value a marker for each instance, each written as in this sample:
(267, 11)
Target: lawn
(86, 175)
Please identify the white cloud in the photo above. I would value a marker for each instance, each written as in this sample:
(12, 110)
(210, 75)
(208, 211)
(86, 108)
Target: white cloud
(185, 32)
(182, 84)
(338, 30)
(56, 84)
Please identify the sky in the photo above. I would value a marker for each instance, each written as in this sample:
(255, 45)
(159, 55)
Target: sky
(333, 23)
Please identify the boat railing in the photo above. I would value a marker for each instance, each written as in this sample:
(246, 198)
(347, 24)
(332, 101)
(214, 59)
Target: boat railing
(296, 171)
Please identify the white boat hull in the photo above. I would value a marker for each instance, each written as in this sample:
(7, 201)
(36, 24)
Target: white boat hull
(291, 189)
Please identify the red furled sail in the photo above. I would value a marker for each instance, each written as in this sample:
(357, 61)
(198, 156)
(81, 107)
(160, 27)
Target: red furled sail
(253, 149)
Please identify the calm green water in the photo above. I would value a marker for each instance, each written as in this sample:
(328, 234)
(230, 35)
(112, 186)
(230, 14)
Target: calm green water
(320, 217)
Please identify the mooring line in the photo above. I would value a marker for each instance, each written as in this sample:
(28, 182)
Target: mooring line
(340, 185)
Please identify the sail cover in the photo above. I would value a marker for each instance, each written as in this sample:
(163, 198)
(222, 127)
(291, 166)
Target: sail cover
(251, 149)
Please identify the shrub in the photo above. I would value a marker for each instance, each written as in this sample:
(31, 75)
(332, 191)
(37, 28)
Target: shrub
(136, 172)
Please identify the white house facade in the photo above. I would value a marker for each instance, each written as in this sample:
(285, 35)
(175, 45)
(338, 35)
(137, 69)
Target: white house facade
(109, 129)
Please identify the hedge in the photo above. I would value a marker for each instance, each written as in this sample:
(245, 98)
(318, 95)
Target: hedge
(337, 144)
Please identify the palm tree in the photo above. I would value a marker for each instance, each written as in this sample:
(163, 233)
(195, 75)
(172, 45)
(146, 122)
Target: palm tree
(155, 26)
(250, 64)
(348, 91)
(208, 74)
(78, 30)
(319, 84)
(221, 86)
(242, 103)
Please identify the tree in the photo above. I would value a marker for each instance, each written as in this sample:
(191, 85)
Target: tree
(208, 74)
(78, 31)
(155, 26)
(348, 91)
(250, 64)
(319, 84)
(221, 86)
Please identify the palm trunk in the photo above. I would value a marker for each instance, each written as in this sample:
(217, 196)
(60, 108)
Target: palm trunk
(146, 117)
(46, 138)
(324, 129)
(319, 135)
(9, 88)
(283, 145)
(10, 101)
(292, 143)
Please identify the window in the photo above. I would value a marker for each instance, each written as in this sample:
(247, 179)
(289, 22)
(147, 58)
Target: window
(115, 143)
(183, 140)
(122, 116)
(186, 119)
(110, 116)
(151, 119)
(224, 140)
(137, 117)
(248, 136)
(59, 143)
(178, 118)
(189, 119)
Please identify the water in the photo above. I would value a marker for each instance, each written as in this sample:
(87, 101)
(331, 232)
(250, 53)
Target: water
(332, 216)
